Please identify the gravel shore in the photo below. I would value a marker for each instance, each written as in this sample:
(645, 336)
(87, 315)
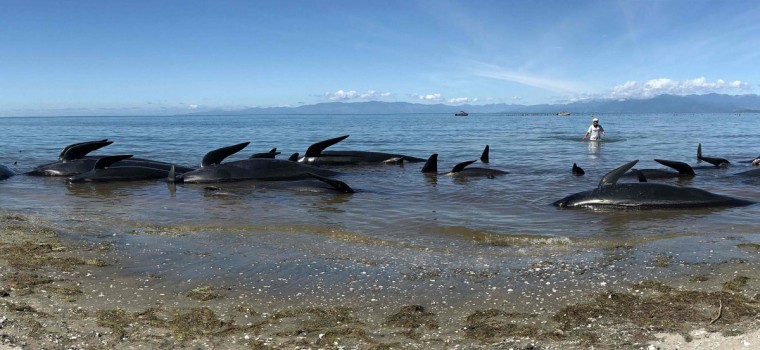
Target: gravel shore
(57, 292)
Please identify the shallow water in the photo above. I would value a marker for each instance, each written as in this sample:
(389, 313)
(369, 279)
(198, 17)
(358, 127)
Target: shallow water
(398, 215)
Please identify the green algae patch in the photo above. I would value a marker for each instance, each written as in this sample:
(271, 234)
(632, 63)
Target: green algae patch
(204, 293)
(31, 255)
(412, 317)
(736, 284)
(666, 310)
(489, 325)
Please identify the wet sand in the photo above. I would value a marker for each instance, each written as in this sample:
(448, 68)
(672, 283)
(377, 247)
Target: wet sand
(60, 290)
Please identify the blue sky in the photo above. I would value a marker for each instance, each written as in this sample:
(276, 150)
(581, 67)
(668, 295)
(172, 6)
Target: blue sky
(164, 57)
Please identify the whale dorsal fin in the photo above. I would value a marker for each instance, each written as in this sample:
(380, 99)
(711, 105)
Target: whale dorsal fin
(578, 170)
(338, 185)
(106, 162)
(484, 156)
(81, 149)
(681, 167)
(431, 165)
(612, 177)
(316, 149)
(293, 157)
(459, 167)
(217, 156)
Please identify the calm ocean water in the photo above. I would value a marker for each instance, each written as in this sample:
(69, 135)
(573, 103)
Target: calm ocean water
(397, 212)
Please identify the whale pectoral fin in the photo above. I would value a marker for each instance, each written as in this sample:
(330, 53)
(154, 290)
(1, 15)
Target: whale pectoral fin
(394, 160)
(612, 177)
(106, 162)
(293, 157)
(316, 149)
(459, 167)
(81, 149)
(218, 155)
(338, 185)
(484, 155)
(431, 165)
(681, 167)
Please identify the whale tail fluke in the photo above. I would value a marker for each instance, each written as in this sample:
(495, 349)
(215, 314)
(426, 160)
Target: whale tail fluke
(172, 177)
(699, 153)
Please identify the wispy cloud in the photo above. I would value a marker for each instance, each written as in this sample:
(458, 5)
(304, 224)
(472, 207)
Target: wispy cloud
(500, 73)
(654, 87)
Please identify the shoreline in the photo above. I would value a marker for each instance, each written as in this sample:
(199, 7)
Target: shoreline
(59, 291)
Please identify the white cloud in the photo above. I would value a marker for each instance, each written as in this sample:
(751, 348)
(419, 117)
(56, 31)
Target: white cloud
(654, 87)
(429, 97)
(462, 100)
(344, 95)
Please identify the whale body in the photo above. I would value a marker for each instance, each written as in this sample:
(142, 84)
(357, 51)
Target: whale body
(213, 169)
(644, 195)
(317, 155)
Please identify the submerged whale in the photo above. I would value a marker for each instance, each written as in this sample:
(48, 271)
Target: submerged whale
(644, 195)
(74, 160)
(5, 172)
(316, 154)
(270, 169)
(461, 169)
(104, 171)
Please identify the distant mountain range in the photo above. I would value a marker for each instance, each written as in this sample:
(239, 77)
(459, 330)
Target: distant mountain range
(708, 103)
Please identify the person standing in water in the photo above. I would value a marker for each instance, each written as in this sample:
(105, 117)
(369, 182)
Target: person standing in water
(595, 130)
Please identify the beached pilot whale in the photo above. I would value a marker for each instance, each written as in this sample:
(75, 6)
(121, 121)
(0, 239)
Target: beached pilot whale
(269, 169)
(74, 159)
(461, 169)
(644, 195)
(104, 171)
(683, 170)
(317, 155)
(5, 172)
(716, 162)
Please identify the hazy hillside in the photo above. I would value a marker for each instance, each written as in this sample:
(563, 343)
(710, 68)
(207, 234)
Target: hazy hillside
(709, 103)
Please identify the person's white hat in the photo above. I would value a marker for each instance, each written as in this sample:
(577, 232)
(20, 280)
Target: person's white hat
(596, 120)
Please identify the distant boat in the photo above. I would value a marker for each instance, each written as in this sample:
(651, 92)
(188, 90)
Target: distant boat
(563, 114)
(461, 114)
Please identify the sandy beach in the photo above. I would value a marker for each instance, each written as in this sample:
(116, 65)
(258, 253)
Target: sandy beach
(61, 293)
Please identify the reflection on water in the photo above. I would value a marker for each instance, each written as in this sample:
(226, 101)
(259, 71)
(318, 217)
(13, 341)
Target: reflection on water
(594, 147)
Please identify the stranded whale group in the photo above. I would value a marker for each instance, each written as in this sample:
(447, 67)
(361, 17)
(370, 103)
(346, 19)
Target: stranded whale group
(313, 171)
